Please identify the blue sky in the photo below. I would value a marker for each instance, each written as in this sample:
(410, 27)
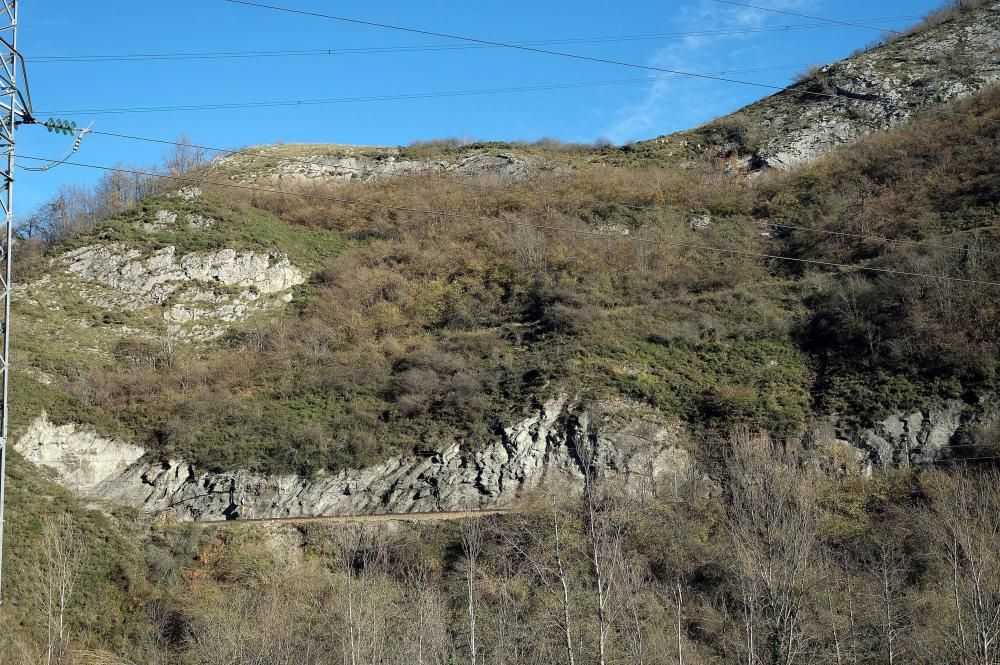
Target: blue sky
(619, 112)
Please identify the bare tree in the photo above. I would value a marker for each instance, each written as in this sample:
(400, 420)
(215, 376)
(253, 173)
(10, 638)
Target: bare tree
(63, 556)
(509, 625)
(609, 512)
(264, 622)
(539, 539)
(633, 576)
(773, 534)
(349, 541)
(427, 641)
(472, 547)
(679, 607)
(833, 576)
(559, 551)
(888, 564)
(967, 511)
(183, 157)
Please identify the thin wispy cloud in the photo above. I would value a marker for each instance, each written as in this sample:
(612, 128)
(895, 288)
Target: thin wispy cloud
(674, 103)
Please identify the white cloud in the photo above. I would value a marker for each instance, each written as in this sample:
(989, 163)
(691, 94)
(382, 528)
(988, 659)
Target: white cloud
(680, 102)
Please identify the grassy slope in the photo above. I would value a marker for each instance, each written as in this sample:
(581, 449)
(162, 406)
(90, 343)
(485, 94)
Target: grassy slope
(892, 341)
(424, 330)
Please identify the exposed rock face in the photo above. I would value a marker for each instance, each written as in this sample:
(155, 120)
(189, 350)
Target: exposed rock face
(164, 219)
(556, 442)
(880, 89)
(153, 277)
(198, 292)
(543, 446)
(374, 164)
(903, 439)
(871, 91)
(82, 457)
(699, 221)
(189, 193)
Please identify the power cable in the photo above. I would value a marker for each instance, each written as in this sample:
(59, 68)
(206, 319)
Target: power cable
(540, 227)
(213, 55)
(72, 150)
(497, 188)
(532, 49)
(965, 459)
(508, 45)
(382, 98)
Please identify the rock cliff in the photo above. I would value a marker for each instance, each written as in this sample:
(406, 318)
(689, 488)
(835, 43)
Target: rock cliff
(914, 438)
(557, 441)
(552, 442)
(82, 457)
(197, 292)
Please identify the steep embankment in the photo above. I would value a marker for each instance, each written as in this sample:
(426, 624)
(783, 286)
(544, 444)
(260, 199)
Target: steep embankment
(556, 444)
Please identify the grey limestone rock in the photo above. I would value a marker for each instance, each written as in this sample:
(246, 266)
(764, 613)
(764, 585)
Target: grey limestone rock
(198, 292)
(544, 445)
(381, 163)
(915, 438)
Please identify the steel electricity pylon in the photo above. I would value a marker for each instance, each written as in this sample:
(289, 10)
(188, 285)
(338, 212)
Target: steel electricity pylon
(15, 109)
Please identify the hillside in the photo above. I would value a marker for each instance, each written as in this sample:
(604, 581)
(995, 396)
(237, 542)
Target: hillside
(232, 330)
(403, 318)
(951, 54)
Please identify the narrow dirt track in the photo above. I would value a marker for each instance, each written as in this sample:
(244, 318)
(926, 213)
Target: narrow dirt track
(346, 519)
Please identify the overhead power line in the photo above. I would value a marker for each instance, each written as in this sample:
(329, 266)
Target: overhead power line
(539, 227)
(214, 55)
(832, 21)
(457, 93)
(508, 45)
(533, 49)
(959, 460)
(382, 98)
(444, 94)
(553, 197)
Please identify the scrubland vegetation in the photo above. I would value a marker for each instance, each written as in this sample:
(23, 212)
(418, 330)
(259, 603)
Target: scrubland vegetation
(419, 328)
(949, 11)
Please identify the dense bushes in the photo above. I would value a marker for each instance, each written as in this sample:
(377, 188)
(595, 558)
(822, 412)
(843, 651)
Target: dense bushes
(884, 341)
(428, 329)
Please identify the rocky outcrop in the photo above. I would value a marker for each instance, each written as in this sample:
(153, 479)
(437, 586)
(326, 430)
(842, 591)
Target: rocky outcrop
(557, 442)
(164, 219)
(151, 278)
(915, 438)
(197, 293)
(82, 457)
(880, 88)
(551, 443)
(358, 164)
(871, 91)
